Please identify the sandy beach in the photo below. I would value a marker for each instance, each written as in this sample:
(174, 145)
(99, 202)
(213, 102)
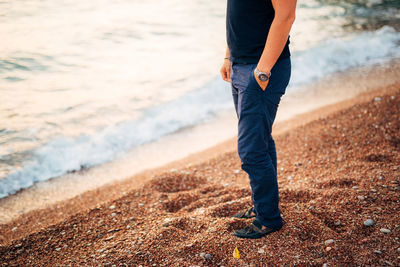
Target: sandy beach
(338, 167)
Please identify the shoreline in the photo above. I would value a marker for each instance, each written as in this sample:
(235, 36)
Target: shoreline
(338, 167)
(323, 96)
(37, 219)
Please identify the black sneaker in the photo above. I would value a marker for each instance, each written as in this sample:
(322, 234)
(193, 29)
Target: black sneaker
(247, 214)
(255, 230)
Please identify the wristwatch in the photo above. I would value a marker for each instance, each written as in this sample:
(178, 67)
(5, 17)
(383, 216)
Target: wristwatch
(263, 76)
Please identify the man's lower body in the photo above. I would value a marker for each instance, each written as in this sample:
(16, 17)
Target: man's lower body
(256, 110)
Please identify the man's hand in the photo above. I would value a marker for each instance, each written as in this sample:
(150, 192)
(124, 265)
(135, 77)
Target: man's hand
(226, 70)
(262, 84)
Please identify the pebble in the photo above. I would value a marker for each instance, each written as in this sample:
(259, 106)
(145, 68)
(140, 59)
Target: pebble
(377, 99)
(373, 190)
(141, 204)
(369, 222)
(378, 251)
(361, 197)
(325, 265)
(237, 171)
(328, 248)
(112, 207)
(329, 241)
(385, 231)
(113, 214)
(14, 229)
(202, 254)
(261, 251)
(355, 187)
(208, 256)
(388, 263)
(109, 238)
(398, 250)
(338, 222)
(58, 249)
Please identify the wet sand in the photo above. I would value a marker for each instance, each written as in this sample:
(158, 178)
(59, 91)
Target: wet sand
(338, 166)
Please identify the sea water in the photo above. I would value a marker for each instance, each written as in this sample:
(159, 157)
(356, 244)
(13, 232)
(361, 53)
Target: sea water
(85, 83)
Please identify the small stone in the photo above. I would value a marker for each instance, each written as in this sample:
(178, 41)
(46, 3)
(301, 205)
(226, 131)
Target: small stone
(202, 254)
(385, 231)
(398, 250)
(109, 238)
(14, 229)
(369, 222)
(128, 226)
(236, 171)
(58, 249)
(328, 248)
(112, 207)
(373, 190)
(208, 256)
(361, 197)
(63, 233)
(141, 204)
(325, 265)
(261, 251)
(377, 99)
(166, 224)
(113, 214)
(338, 222)
(311, 207)
(355, 187)
(378, 251)
(329, 241)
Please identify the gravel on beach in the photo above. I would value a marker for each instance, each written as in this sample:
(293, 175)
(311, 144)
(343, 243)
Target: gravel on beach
(183, 216)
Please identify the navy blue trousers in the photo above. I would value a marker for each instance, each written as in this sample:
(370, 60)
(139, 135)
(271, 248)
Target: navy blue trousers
(256, 110)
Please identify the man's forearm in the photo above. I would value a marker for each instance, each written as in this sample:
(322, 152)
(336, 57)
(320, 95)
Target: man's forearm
(227, 54)
(277, 38)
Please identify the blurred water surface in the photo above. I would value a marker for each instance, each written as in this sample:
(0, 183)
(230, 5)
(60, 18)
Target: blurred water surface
(82, 82)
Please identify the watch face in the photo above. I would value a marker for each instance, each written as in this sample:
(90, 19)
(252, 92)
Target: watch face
(263, 77)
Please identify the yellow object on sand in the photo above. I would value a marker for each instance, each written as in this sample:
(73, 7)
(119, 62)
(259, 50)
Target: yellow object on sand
(236, 253)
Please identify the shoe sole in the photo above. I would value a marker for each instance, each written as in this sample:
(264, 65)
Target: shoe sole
(254, 236)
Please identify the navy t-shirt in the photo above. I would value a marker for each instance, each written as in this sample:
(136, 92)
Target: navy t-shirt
(247, 27)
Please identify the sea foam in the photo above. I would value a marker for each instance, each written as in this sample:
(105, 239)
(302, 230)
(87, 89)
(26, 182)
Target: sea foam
(65, 154)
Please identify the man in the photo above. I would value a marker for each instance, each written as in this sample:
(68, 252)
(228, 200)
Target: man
(257, 63)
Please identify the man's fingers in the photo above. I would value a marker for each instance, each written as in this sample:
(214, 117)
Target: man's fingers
(223, 74)
(226, 72)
